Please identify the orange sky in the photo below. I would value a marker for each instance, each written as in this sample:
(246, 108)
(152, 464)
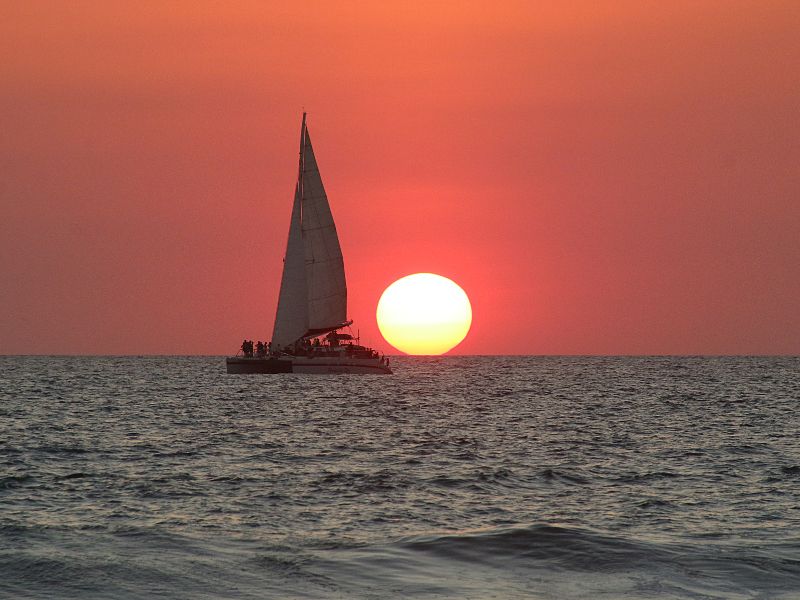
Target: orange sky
(615, 179)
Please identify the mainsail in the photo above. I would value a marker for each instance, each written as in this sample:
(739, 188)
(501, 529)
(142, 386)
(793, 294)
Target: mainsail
(291, 318)
(313, 295)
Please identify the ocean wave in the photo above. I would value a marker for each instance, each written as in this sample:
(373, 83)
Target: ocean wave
(555, 475)
(557, 561)
(499, 475)
(76, 475)
(57, 449)
(13, 481)
(654, 503)
(378, 481)
(645, 477)
(784, 474)
(572, 548)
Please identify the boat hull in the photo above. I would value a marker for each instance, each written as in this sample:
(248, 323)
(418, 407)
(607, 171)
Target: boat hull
(242, 365)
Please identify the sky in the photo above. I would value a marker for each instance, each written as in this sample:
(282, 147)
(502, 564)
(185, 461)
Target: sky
(600, 178)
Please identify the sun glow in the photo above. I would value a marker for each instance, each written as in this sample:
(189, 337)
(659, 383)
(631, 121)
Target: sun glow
(424, 314)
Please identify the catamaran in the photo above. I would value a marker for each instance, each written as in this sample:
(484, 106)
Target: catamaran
(308, 334)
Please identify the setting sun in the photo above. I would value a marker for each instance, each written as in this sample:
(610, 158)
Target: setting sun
(424, 314)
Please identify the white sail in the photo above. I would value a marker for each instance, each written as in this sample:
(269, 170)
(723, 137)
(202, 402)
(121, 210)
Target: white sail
(313, 295)
(327, 289)
(291, 318)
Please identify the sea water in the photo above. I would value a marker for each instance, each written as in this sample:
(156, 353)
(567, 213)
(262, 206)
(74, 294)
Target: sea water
(456, 477)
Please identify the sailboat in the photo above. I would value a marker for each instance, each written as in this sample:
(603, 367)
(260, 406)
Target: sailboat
(308, 334)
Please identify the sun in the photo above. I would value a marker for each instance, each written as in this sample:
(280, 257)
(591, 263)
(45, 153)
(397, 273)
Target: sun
(424, 314)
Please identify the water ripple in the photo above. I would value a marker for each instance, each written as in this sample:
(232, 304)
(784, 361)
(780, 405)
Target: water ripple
(474, 477)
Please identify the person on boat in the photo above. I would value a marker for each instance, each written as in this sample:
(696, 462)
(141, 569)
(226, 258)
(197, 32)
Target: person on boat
(260, 348)
(269, 348)
(247, 348)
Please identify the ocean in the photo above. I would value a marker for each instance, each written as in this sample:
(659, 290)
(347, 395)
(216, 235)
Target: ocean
(456, 477)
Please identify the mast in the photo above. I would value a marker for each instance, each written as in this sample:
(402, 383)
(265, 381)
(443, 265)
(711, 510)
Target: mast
(301, 166)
